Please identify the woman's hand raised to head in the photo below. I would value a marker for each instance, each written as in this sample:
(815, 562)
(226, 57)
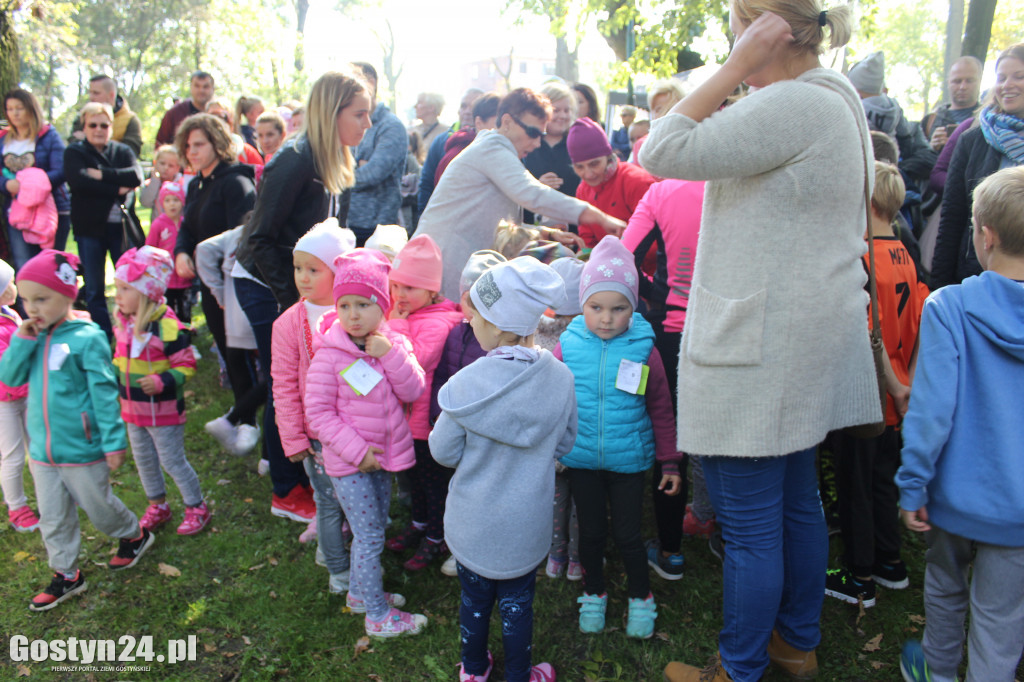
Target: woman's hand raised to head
(760, 44)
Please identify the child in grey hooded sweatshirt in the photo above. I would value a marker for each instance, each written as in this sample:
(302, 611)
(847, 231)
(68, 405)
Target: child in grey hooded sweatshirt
(505, 419)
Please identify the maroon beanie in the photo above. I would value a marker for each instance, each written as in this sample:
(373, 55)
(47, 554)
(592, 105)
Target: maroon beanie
(53, 269)
(587, 141)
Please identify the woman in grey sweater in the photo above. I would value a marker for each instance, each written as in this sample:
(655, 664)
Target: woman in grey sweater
(775, 350)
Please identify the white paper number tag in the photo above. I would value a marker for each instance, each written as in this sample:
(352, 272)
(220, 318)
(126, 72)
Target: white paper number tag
(631, 377)
(58, 354)
(361, 377)
(139, 345)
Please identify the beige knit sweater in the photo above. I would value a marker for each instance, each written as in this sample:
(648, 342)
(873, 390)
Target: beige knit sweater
(775, 350)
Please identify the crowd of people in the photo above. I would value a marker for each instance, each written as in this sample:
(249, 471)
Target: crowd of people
(528, 325)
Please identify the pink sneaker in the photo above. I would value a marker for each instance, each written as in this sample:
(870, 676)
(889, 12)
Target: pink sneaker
(23, 519)
(156, 515)
(574, 572)
(396, 624)
(542, 672)
(196, 519)
(466, 677)
(356, 605)
(310, 533)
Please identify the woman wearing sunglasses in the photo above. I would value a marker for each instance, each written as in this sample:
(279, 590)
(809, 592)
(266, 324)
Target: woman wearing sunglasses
(487, 183)
(100, 173)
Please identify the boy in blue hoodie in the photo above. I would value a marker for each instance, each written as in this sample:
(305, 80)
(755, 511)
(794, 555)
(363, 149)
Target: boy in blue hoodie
(501, 470)
(962, 478)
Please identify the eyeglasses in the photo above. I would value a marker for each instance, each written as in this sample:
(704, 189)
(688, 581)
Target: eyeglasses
(102, 126)
(531, 131)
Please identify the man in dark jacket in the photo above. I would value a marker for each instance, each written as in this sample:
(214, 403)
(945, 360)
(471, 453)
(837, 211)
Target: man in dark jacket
(201, 91)
(964, 82)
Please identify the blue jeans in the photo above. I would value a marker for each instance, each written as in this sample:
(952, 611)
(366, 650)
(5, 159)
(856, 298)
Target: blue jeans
(260, 307)
(21, 250)
(776, 553)
(329, 517)
(93, 253)
(515, 608)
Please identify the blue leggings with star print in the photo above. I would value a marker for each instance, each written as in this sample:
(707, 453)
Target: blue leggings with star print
(515, 609)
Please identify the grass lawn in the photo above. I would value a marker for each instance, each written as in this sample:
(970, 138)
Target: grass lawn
(260, 610)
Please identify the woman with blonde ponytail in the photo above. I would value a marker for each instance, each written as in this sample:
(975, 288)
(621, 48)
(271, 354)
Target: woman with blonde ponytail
(777, 303)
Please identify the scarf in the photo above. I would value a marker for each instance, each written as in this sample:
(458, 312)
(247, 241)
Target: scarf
(521, 353)
(1004, 133)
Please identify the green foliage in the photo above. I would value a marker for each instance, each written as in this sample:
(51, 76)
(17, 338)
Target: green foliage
(914, 39)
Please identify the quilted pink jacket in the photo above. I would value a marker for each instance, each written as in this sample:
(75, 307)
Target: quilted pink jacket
(33, 210)
(427, 329)
(291, 350)
(348, 424)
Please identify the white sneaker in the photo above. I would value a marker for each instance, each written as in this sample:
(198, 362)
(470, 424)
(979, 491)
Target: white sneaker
(449, 567)
(320, 559)
(263, 468)
(338, 583)
(246, 439)
(224, 432)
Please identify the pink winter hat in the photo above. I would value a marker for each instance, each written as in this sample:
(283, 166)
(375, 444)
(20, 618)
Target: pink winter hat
(419, 264)
(610, 268)
(586, 141)
(363, 272)
(146, 269)
(173, 189)
(53, 269)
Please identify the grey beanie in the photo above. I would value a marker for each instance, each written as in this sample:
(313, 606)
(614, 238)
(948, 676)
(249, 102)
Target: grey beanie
(6, 276)
(514, 295)
(571, 271)
(479, 262)
(868, 75)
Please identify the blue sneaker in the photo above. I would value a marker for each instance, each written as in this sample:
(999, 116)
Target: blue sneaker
(912, 664)
(640, 622)
(668, 567)
(592, 610)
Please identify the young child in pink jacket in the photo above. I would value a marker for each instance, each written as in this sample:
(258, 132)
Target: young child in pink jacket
(425, 317)
(361, 376)
(291, 353)
(163, 234)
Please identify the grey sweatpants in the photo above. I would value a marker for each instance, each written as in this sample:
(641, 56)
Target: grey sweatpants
(58, 490)
(996, 597)
(154, 447)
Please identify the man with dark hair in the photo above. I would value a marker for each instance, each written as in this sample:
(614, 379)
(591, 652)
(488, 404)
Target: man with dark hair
(964, 81)
(201, 93)
(380, 162)
(127, 128)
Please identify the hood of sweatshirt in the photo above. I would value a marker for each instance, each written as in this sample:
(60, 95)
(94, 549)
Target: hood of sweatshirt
(884, 113)
(499, 398)
(992, 305)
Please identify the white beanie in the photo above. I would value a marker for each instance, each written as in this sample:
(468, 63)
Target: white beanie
(479, 262)
(388, 239)
(571, 271)
(327, 241)
(514, 295)
(6, 276)
(868, 75)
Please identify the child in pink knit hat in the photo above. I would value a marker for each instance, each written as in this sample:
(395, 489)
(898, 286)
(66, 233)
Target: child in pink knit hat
(163, 233)
(360, 378)
(154, 358)
(425, 317)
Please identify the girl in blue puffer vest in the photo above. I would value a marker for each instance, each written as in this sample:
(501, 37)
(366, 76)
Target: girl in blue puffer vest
(625, 422)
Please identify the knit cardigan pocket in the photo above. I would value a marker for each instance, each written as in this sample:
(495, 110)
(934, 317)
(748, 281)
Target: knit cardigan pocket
(724, 331)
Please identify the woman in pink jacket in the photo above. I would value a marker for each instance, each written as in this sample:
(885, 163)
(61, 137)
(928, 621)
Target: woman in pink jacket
(361, 375)
(425, 317)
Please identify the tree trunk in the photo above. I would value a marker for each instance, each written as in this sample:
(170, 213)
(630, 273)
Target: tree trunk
(978, 30)
(567, 66)
(954, 34)
(10, 65)
(301, 9)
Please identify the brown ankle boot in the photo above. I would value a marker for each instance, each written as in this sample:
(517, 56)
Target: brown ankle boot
(681, 672)
(796, 664)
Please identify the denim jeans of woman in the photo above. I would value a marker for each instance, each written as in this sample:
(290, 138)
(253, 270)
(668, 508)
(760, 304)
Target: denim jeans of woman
(776, 553)
(93, 253)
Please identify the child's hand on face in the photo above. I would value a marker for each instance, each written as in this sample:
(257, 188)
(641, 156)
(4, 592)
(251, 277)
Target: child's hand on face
(674, 483)
(115, 460)
(370, 463)
(399, 313)
(149, 385)
(377, 345)
(916, 520)
(28, 328)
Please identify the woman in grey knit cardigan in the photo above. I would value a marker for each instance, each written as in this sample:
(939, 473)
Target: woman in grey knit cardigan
(775, 350)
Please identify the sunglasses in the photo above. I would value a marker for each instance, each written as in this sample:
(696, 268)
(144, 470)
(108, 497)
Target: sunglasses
(103, 126)
(531, 131)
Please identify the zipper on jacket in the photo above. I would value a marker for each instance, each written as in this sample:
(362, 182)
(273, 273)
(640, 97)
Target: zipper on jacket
(600, 407)
(46, 392)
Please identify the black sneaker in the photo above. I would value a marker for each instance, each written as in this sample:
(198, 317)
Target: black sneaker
(130, 551)
(891, 576)
(60, 589)
(668, 567)
(716, 544)
(840, 584)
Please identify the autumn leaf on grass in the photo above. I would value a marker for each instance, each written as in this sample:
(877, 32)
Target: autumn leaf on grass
(23, 671)
(877, 665)
(168, 570)
(21, 556)
(248, 642)
(362, 646)
(663, 636)
(272, 561)
(256, 567)
(209, 648)
(914, 618)
(874, 644)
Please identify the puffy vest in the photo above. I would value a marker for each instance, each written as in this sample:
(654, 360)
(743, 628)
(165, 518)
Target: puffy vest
(615, 432)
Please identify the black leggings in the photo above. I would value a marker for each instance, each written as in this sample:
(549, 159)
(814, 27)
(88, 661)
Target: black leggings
(248, 393)
(429, 483)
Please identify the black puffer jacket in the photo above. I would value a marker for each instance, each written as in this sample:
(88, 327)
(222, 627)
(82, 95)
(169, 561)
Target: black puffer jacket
(973, 161)
(215, 204)
(92, 200)
(291, 200)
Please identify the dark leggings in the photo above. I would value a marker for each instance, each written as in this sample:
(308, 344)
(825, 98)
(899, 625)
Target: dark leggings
(515, 611)
(180, 301)
(429, 482)
(669, 509)
(236, 361)
(595, 493)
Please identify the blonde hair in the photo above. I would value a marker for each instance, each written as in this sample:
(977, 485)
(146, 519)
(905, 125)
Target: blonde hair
(889, 192)
(167, 149)
(555, 91)
(147, 307)
(96, 109)
(511, 238)
(668, 86)
(274, 119)
(433, 99)
(803, 19)
(999, 206)
(215, 130)
(242, 107)
(333, 161)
